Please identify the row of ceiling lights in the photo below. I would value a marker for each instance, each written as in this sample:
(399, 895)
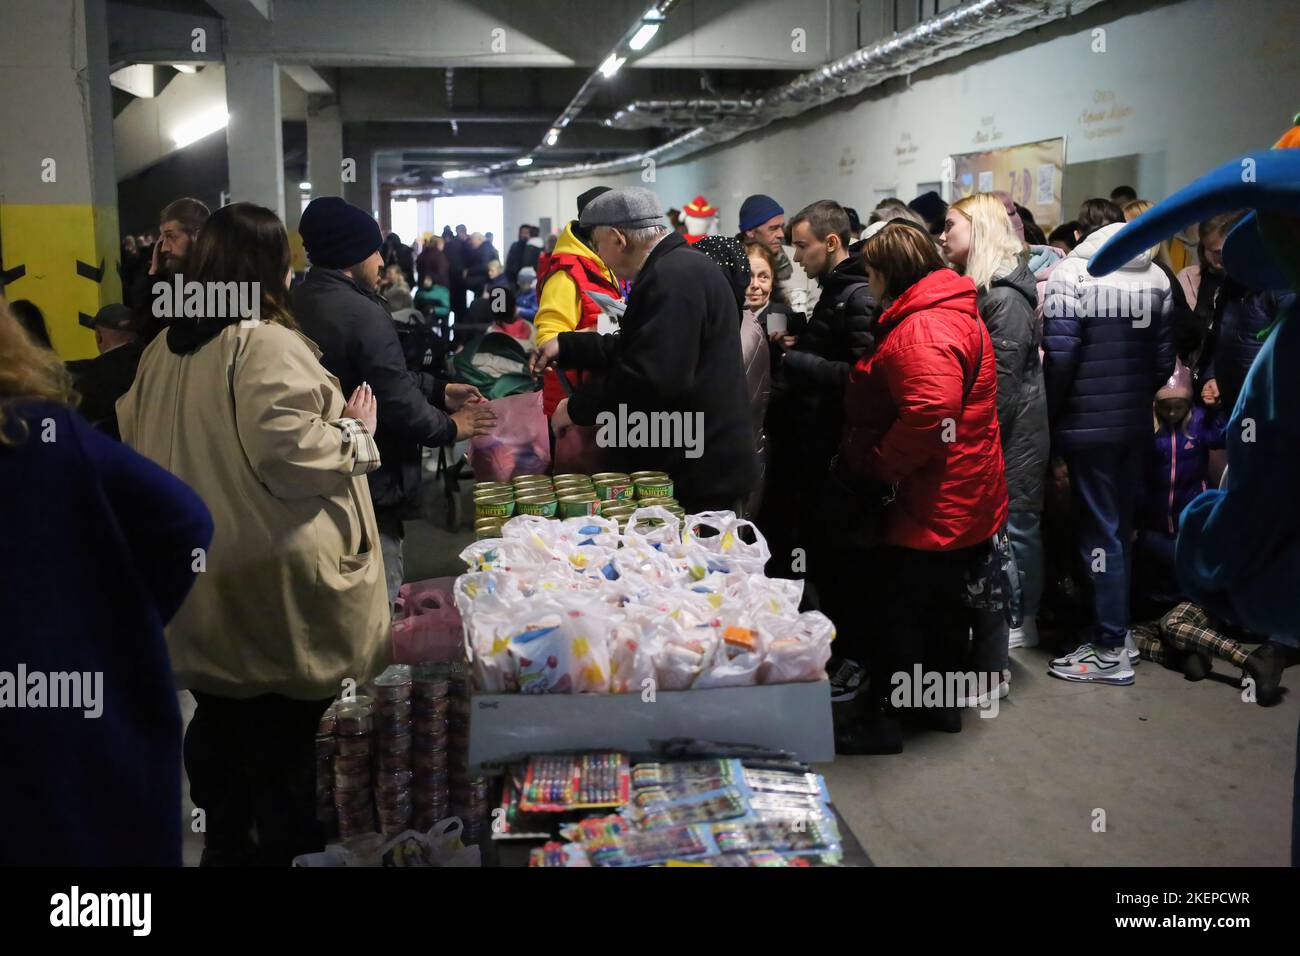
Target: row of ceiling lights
(650, 22)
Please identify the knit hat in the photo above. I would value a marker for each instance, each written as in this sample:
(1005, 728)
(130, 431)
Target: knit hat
(336, 234)
(758, 209)
(699, 208)
(730, 256)
(527, 274)
(1179, 384)
(632, 208)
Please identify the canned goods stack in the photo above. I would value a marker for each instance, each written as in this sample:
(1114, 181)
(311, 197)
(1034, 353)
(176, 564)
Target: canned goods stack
(326, 748)
(429, 703)
(610, 494)
(393, 743)
(353, 730)
(468, 792)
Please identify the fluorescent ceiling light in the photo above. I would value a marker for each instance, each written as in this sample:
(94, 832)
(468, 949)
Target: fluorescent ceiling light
(305, 187)
(454, 173)
(643, 36)
(200, 126)
(524, 161)
(611, 65)
(191, 68)
(552, 137)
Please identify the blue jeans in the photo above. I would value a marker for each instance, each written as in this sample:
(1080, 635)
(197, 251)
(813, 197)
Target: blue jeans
(1025, 530)
(1105, 485)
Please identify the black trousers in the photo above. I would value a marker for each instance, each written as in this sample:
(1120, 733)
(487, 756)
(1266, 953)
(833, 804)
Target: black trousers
(252, 766)
(921, 620)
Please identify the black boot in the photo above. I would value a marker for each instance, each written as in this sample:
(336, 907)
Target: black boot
(1196, 666)
(1264, 665)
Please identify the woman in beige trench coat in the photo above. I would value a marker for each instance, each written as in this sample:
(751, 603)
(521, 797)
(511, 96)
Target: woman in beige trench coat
(291, 600)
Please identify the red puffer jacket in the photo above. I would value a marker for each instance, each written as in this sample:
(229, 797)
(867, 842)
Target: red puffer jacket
(905, 421)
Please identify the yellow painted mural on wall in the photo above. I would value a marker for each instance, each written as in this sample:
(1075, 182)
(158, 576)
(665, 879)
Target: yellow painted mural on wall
(63, 257)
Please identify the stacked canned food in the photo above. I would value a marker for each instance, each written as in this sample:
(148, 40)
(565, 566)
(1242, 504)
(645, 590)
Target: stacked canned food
(469, 793)
(612, 494)
(393, 746)
(430, 702)
(353, 730)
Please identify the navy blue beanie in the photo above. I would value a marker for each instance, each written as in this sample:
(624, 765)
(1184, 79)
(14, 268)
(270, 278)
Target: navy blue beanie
(337, 234)
(757, 210)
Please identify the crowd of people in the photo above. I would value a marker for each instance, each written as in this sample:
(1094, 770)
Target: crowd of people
(960, 439)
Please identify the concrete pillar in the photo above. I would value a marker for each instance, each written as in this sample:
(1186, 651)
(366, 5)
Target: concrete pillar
(362, 189)
(254, 144)
(59, 243)
(324, 148)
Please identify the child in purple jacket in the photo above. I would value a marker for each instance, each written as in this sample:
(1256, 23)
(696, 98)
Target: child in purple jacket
(1184, 436)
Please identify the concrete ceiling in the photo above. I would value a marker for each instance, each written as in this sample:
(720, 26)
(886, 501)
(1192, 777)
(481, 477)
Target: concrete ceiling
(430, 86)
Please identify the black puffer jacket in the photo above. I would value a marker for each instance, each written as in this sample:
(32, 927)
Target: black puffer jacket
(809, 390)
(1007, 308)
(1232, 343)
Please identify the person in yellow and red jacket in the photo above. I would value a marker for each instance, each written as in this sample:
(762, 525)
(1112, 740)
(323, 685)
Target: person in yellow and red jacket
(563, 279)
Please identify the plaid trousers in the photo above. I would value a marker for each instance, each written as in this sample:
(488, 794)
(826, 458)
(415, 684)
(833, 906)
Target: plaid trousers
(1190, 629)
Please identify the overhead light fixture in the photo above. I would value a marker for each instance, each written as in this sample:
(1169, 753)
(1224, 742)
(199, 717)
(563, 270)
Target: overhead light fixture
(552, 137)
(524, 161)
(184, 67)
(643, 36)
(454, 173)
(611, 65)
(305, 187)
(200, 126)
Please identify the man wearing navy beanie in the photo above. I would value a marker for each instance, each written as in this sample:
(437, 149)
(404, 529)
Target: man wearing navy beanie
(339, 309)
(762, 220)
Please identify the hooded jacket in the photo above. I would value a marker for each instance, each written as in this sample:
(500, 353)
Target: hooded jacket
(906, 421)
(1108, 345)
(562, 305)
(1179, 465)
(1007, 308)
(292, 597)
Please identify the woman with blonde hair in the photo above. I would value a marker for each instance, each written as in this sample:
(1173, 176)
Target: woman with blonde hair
(99, 557)
(292, 601)
(978, 240)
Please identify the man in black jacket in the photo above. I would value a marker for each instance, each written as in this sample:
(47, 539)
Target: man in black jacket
(806, 411)
(101, 381)
(338, 308)
(673, 394)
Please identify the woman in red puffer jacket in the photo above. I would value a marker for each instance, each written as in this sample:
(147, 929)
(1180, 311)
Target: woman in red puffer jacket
(921, 414)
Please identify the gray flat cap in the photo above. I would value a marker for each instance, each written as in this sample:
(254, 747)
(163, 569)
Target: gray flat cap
(633, 208)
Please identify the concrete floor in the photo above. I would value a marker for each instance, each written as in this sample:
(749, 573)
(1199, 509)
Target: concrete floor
(1187, 774)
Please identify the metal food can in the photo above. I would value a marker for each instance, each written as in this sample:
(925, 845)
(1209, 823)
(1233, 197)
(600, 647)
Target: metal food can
(482, 488)
(615, 489)
(494, 506)
(542, 505)
(573, 506)
(647, 488)
(571, 476)
(638, 475)
(533, 485)
(606, 475)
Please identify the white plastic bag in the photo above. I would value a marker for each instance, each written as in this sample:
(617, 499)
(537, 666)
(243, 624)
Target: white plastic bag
(797, 650)
(723, 535)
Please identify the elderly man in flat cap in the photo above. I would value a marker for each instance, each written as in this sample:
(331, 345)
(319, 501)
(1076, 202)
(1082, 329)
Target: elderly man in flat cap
(672, 396)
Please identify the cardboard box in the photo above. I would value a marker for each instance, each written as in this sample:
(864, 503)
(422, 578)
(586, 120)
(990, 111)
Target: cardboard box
(792, 717)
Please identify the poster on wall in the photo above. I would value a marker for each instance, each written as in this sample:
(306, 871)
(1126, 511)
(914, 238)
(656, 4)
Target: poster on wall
(1030, 172)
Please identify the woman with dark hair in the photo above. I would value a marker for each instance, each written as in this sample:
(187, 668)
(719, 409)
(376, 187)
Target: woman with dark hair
(102, 557)
(1095, 214)
(921, 418)
(292, 601)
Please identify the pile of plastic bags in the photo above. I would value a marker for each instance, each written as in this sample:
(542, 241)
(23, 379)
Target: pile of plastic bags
(576, 606)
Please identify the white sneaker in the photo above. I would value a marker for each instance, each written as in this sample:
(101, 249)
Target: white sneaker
(1094, 665)
(995, 693)
(1026, 635)
(1134, 655)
